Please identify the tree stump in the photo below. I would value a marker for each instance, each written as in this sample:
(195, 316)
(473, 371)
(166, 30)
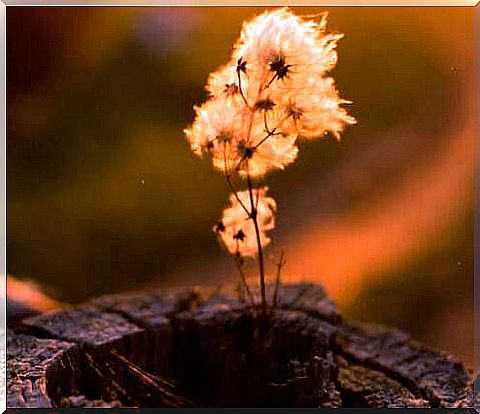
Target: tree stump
(183, 348)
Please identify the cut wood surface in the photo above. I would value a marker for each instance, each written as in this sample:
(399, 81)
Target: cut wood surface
(200, 348)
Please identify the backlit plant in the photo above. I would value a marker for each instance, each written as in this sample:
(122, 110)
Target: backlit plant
(273, 92)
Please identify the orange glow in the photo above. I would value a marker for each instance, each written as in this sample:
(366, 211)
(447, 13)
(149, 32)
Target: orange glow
(344, 253)
(29, 294)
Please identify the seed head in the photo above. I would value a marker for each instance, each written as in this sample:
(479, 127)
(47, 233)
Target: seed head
(274, 89)
(237, 232)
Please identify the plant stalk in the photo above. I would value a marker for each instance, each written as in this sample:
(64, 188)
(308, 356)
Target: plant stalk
(259, 245)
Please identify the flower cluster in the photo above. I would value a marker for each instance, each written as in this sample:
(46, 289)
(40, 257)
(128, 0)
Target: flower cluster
(236, 229)
(274, 90)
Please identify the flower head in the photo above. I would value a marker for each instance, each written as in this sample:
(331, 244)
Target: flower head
(237, 141)
(278, 44)
(274, 89)
(314, 110)
(236, 229)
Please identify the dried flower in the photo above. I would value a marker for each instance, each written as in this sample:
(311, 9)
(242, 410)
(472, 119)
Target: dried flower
(233, 137)
(273, 90)
(315, 110)
(236, 229)
(278, 44)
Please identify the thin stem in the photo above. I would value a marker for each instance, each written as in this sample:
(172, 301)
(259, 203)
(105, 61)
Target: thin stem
(237, 284)
(234, 190)
(239, 289)
(252, 110)
(239, 264)
(271, 81)
(238, 260)
(239, 76)
(243, 158)
(280, 264)
(265, 123)
(259, 245)
(229, 180)
(271, 133)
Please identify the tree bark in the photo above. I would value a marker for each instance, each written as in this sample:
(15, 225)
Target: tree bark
(182, 348)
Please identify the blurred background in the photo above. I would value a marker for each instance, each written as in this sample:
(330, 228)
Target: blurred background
(104, 194)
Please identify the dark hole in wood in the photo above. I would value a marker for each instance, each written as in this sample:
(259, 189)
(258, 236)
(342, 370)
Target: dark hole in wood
(228, 359)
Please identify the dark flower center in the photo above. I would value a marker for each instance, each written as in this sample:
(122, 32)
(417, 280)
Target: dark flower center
(279, 66)
(219, 227)
(207, 147)
(230, 89)
(264, 104)
(294, 112)
(239, 235)
(241, 65)
(224, 136)
(245, 151)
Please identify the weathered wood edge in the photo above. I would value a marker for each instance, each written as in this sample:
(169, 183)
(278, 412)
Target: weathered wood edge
(425, 377)
(29, 361)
